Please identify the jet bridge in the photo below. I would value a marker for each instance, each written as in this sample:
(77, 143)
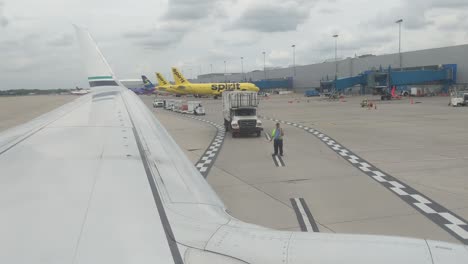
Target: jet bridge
(382, 79)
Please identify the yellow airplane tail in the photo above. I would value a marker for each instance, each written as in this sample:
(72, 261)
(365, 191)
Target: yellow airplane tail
(178, 77)
(161, 80)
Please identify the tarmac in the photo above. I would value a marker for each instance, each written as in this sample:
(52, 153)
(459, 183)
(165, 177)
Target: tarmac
(330, 178)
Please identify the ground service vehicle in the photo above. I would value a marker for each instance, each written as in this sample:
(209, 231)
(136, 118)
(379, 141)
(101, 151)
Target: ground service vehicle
(310, 93)
(177, 106)
(240, 113)
(158, 103)
(169, 103)
(195, 107)
(459, 98)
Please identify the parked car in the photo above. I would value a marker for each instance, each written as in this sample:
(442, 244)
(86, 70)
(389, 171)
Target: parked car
(158, 103)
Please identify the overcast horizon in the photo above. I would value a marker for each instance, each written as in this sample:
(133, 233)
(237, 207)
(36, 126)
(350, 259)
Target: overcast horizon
(38, 48)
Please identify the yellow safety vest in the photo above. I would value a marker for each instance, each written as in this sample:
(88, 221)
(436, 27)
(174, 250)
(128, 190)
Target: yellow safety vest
(274, 132)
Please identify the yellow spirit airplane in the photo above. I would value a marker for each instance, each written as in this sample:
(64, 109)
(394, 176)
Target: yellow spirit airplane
(214, 89)
(163, 85)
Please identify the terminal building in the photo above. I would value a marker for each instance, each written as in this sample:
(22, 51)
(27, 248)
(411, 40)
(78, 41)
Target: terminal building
(418, 65)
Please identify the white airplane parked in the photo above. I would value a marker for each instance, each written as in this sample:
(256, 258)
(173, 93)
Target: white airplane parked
(99, 180)
(80, 91)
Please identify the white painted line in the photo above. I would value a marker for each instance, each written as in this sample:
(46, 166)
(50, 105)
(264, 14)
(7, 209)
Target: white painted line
(398, 185)
(458, 230)
(379, 178)
(278, 160)
(420, 199)
(353, 159)
(399, 191)
(452, 219)
(203, 169)
(303, 215)
(364, 167)
(378, 173)
(425, 208)
(344, 152)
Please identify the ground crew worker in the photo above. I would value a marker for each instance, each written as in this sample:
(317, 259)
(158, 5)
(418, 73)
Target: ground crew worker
(277, 137)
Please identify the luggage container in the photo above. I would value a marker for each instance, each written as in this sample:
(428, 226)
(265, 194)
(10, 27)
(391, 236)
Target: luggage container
(195, 108)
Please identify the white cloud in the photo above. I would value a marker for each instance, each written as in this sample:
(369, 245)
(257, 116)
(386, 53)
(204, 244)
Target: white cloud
(148, 36)
(273, 16)
(62, 40)
(3, 20)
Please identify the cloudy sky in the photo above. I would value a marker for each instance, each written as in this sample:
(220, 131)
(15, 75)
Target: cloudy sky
(38, 47)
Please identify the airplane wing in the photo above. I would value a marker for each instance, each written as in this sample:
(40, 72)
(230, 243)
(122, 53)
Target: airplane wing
(99, 180)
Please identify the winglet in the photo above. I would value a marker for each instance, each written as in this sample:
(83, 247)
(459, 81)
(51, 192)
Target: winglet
(98, 70)
(178, 77)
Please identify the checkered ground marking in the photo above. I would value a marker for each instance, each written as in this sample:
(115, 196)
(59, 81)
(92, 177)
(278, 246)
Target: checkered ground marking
(208, 158)
(449, 221)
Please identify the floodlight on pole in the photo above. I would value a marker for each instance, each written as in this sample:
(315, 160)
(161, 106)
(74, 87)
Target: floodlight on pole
(225, 71)
(336, 55)
(294, 58)
(399, 21)
(264, 65)
(242, 67)
(211, 75)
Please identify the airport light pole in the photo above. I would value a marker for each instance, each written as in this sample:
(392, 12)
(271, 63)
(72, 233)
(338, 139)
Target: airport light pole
(242, 68)
(264, 64)
(399, 21)
(211, 77)
(225, 70)
(294, 58)
(336, 55)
